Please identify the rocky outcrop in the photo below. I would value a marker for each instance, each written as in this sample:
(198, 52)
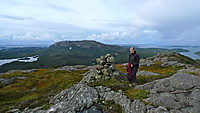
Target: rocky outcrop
(24, 71)
(168, 59)
(74, 99)
(180, 92)
(192, 70)
(71, 100)
(4, 81)
(81, 96)
(177, 82)
(72, 68)
(128, 106)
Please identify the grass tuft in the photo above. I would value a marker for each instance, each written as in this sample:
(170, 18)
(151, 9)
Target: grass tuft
(136, 94)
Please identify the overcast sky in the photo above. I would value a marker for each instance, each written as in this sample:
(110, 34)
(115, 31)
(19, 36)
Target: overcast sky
(165, 22)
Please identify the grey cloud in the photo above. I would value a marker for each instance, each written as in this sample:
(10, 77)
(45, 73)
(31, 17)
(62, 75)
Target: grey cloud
(176, 21)
(15, 17)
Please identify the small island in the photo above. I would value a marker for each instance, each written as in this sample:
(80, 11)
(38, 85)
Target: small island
(179, 50)
(198, 53)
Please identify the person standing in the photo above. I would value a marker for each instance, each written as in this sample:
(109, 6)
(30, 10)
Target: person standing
(133, 64)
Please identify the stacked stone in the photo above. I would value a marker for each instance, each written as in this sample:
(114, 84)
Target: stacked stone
(106, 65)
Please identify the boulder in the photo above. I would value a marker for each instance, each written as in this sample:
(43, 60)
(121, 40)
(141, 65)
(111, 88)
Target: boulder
(113, 67)
(190, 70)
(74, 99)
(179, 93)
(160, 109)
(100, 61)
(179, 81)
(106, 71)
(195, 95)
(110, 60)
(107, 55)
(167, 100)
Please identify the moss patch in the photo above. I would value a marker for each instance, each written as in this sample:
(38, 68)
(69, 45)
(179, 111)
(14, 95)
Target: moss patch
(47, 106)
(164, 71)
(169, 70)
(145, 79)
(136, 94)
(112, 83)
(111, 107)
(121, 68)
(37, 89)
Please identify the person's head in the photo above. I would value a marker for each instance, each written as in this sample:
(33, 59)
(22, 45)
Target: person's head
(132, 49)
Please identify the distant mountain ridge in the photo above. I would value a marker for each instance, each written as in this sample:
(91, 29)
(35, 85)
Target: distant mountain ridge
(86, 44)
(83, 44)
(71, 53)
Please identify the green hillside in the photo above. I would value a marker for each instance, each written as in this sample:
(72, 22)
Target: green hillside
(71, 53)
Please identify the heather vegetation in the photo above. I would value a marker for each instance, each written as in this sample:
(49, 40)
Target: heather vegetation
(36, 88)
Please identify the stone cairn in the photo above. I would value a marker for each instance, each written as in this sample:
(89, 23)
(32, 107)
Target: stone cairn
(106, 65)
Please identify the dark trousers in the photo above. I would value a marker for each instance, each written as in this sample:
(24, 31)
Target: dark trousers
(134, 70)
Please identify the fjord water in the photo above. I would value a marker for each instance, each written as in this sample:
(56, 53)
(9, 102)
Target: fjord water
(31, 59)
(191, 53)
